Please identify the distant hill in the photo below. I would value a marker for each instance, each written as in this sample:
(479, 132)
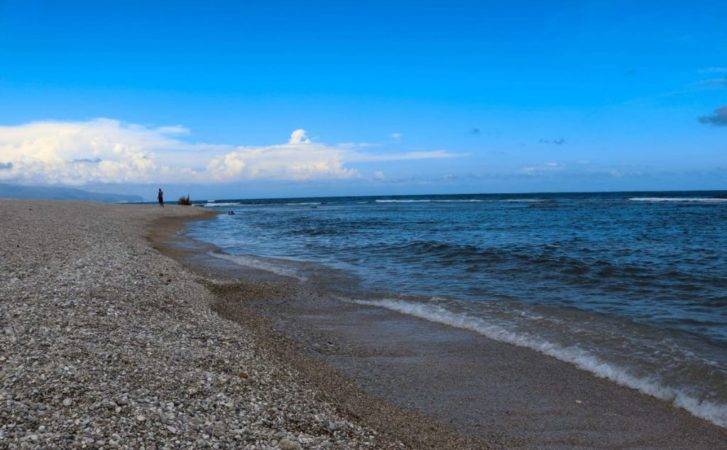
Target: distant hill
(62, 193)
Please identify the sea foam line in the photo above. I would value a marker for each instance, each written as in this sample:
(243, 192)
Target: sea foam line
(257, 263)
(402, 201)
(679, 199)
(460, 200)
(713, 412)
(221, 204)
(454, 200)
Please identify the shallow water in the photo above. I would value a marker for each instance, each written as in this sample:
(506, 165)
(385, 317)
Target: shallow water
(630, 286)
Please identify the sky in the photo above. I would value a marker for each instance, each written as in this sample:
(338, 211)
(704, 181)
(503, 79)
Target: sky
(281, 98)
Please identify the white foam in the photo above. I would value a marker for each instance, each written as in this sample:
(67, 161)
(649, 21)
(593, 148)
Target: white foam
(403, 201)
(303, 203)
(679, 199)
(713, 412)
(261, 264)
(522, 200)
(214, 205)
(454, 200)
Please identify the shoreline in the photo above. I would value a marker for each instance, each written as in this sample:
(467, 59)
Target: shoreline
(678, 428)
(234, 298)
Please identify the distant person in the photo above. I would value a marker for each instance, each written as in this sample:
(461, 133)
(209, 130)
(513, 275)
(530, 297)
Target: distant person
(160, 197)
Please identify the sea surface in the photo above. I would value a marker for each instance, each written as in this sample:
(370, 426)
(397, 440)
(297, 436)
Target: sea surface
(629, 286)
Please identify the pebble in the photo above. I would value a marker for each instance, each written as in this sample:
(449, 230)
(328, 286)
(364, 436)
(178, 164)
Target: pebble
(134, 357)
(287, 444)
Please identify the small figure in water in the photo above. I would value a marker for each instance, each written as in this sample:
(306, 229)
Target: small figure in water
(230, 213)
(160, 197)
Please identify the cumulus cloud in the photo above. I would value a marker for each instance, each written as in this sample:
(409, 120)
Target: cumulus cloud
(48, 151)
(717, 118)
(299, 159)
(110, 151)
(298, 136)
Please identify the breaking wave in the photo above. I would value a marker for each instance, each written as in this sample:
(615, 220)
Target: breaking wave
(221, 204)
(583, 359)
(261, 264)
(406, 200)
(680, 199)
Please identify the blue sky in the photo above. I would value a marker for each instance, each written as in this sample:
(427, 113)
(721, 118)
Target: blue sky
(394, 97)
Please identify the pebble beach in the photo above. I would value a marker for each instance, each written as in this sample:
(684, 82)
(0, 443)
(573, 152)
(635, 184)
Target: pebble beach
(107, 343)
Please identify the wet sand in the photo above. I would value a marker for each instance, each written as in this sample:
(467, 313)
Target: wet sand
(483, 387)
(237, 291)
(502, 394)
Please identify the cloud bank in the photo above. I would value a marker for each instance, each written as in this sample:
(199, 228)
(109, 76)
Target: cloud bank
(110, 151)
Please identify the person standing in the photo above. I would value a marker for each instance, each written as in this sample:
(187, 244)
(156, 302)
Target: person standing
(160, 197)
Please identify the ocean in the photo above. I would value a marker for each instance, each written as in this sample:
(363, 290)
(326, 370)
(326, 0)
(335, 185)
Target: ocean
(629, 286)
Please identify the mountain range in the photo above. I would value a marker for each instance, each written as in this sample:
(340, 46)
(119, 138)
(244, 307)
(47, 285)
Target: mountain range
(62, 193)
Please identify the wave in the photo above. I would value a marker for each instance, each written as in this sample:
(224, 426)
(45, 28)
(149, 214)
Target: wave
(460, 200)
(447, 252)
(584, 360)
(680, 199)
(553, 260)
(317, 231)
(303, 203)
(221, 204)
(261, 264)
(430, 200)
(402, 201)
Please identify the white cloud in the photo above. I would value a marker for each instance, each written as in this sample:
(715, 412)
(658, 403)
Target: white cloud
(52, 152)
(406, 156)
(396, 136)
(542, 168)
(109, 151)
(299, 136)
(299, 159)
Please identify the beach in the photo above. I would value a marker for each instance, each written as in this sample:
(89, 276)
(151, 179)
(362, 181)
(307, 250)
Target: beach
(117, 331)
(107, 343)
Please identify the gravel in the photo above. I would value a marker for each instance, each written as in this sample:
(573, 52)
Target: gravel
(106, 343)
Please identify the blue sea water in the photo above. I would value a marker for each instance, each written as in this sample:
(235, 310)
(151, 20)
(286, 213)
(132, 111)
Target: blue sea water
(629, 286)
